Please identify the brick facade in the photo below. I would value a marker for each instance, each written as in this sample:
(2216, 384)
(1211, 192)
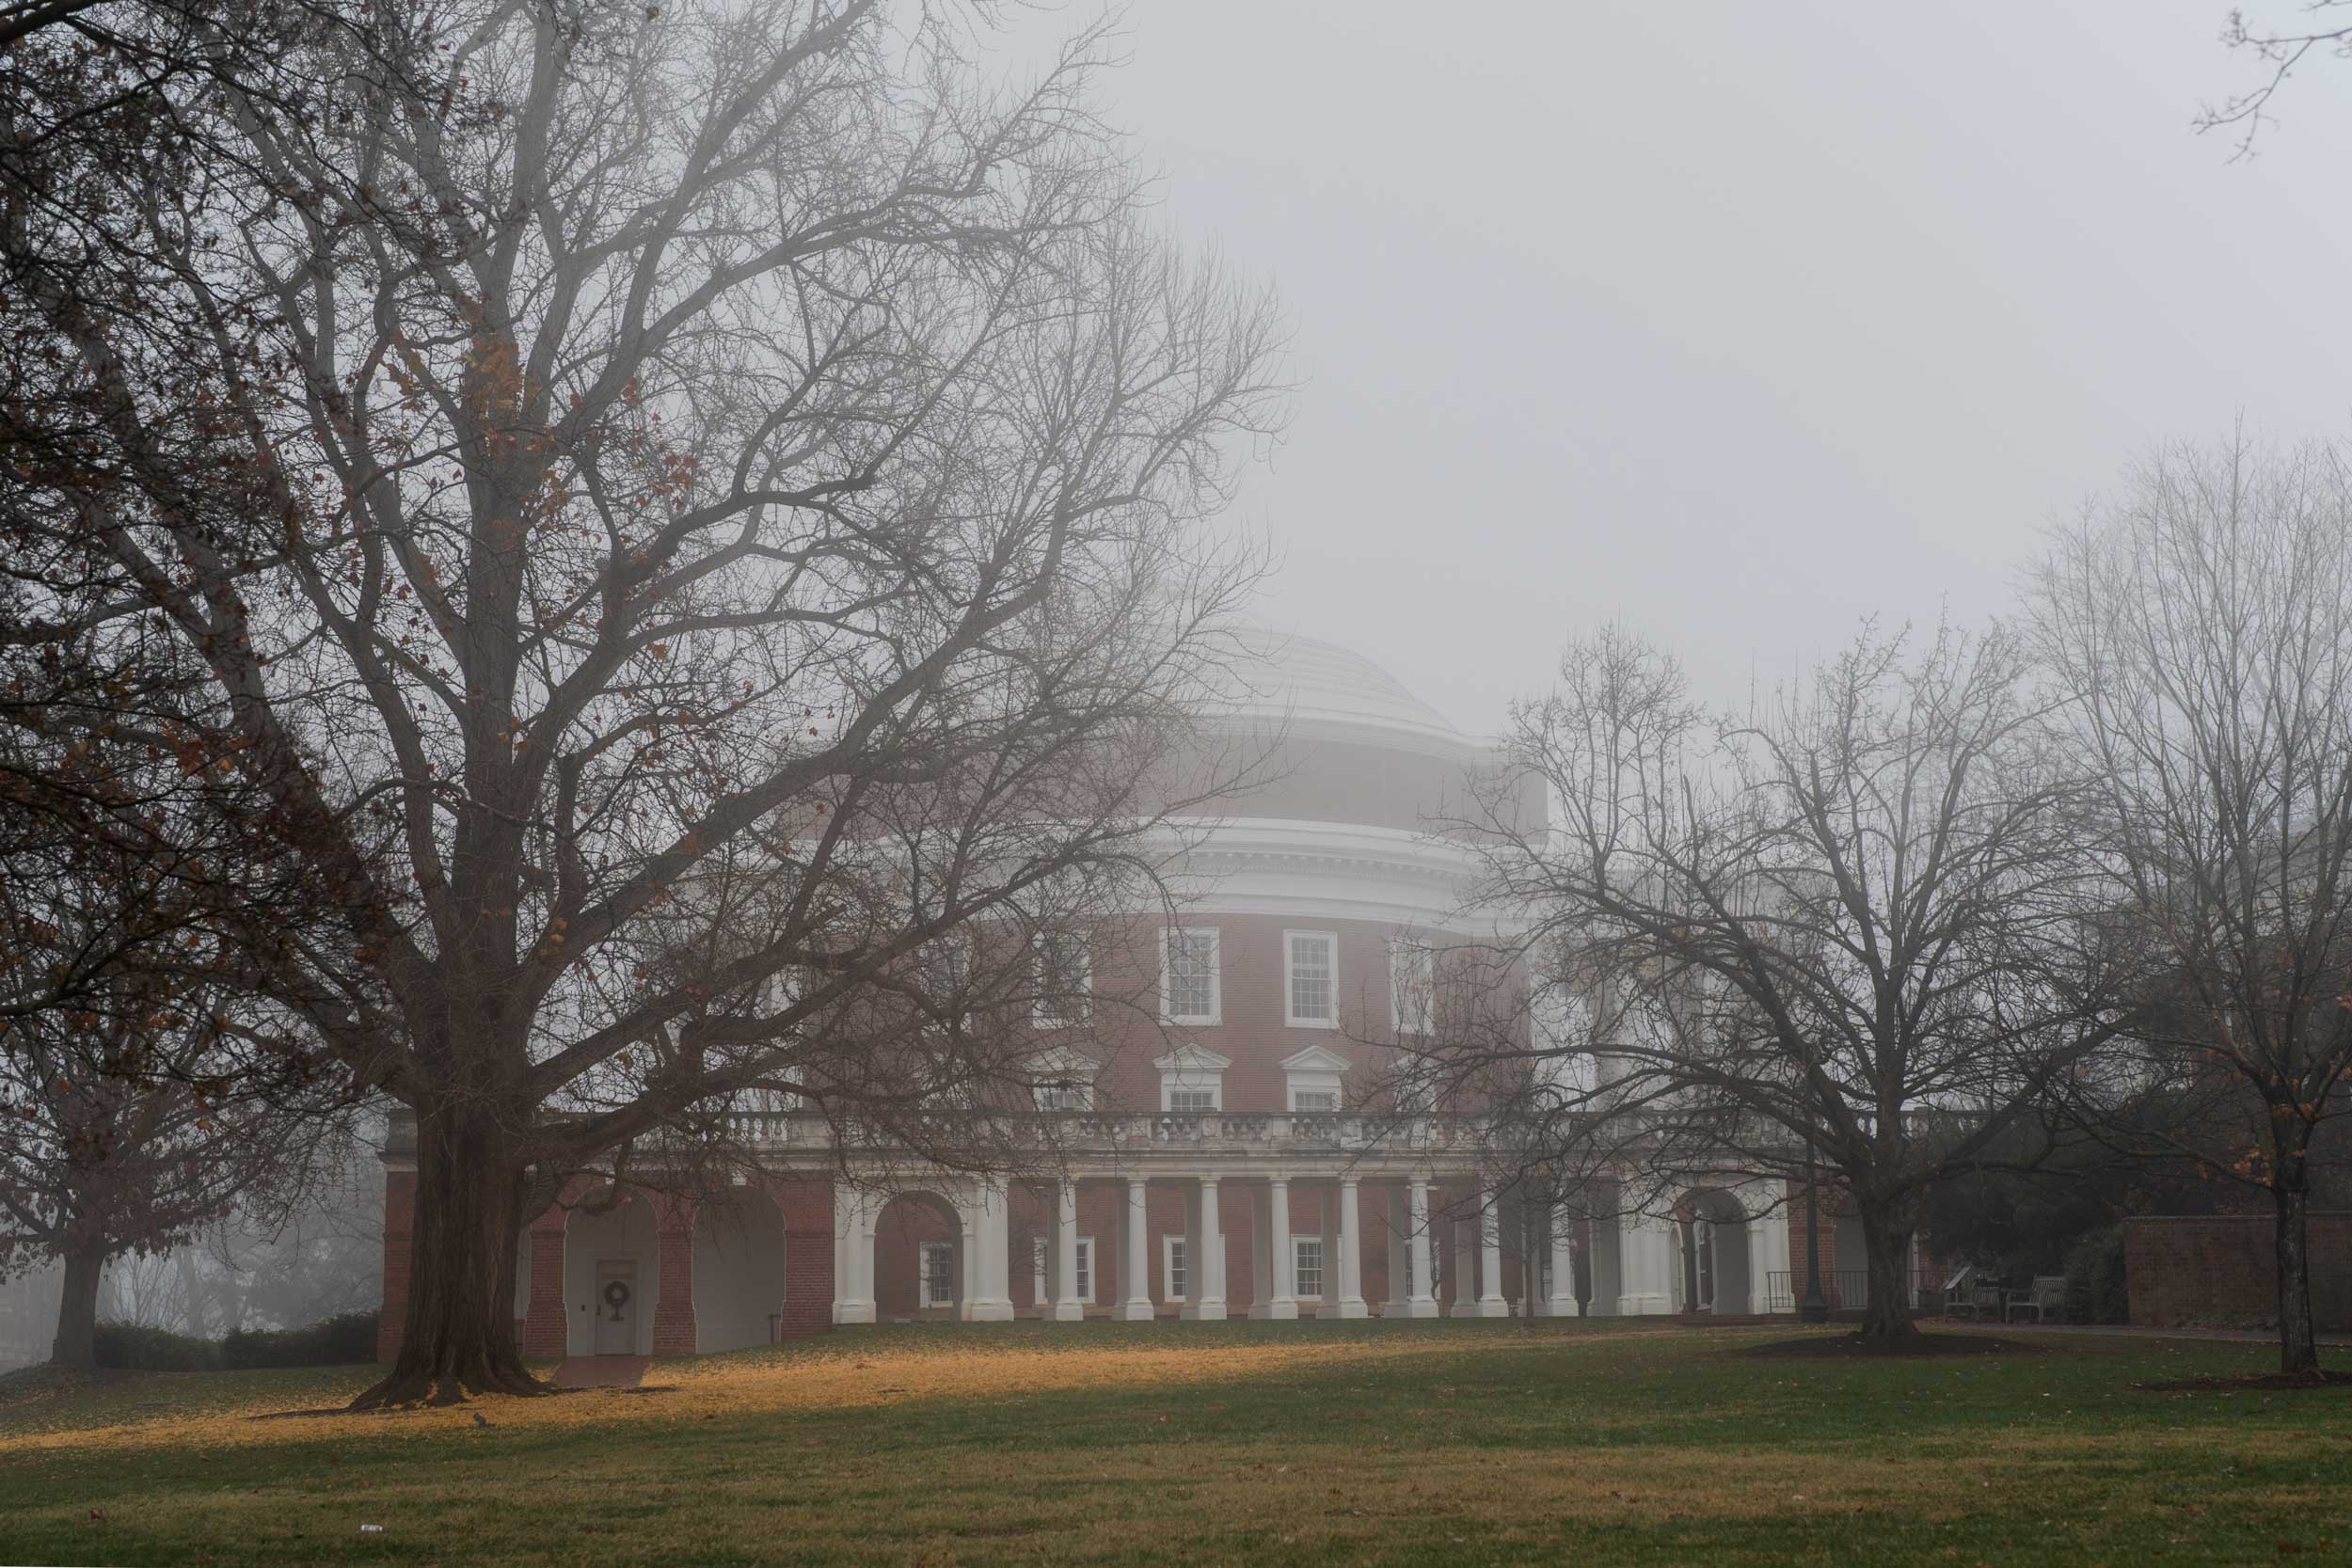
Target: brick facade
(2181, 1270)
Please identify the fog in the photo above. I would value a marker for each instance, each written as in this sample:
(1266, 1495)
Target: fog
(1735, 323)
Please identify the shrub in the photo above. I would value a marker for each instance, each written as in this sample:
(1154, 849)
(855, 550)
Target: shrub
(345, 1337)
(2094, 1279)
(132, 1348)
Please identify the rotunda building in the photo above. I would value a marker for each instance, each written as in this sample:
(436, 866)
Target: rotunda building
(1233, 1137)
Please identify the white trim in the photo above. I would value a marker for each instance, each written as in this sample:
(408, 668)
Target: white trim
(1298, 1255)
(1193, 1068)
(1062, 1062)
(1291, 1018)
(923, 1275)
(1169, 937)
(1318, 1070)
(1040, 1012)
(1169, 1244)
(1086, 1270)
(1425, 958)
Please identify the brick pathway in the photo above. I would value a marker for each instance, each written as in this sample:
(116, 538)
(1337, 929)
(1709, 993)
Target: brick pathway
(602, 1371)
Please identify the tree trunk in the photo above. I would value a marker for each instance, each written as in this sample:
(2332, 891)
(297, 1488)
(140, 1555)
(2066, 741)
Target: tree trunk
(458, 1334)
(1886, 1249)
(76, 1345)
(2298, 1347)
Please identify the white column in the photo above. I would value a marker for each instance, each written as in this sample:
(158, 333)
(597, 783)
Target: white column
(1204, 1254)
(1068, 1309)
(1328, 1217)
(853, 1256)
(1261, 1251)
(1036, 1277)
(1768, 1255)
(1645, 1263)
(1491, 1302)
(1461, 1280)
(991, 1300)
(1351, 1259)
(1136, 1305)
(1559, 1232)
(1281, 1258)
(1421, 1301)
(1400, 1259)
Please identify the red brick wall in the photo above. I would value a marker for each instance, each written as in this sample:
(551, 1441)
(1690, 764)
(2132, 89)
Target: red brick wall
(807, 1284)
(900, 1230)
(545, 1325)
(1251, 1010)
(2222, 1269)
(674, 1311)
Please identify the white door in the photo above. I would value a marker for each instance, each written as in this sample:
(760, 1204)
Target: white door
(616, 1306)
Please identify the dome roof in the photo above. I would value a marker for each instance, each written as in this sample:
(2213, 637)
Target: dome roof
(1312, 686)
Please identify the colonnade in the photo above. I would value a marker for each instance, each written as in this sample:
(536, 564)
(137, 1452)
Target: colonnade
(982, 1208)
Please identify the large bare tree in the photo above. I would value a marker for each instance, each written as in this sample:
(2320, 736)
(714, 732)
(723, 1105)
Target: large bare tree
(717, 505)
(1834, 926)
(2199, 627)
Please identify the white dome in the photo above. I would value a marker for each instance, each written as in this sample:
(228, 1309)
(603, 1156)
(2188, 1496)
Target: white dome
(1312, 686)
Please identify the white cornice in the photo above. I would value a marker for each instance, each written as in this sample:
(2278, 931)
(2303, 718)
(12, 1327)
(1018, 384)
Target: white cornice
(1303, 869)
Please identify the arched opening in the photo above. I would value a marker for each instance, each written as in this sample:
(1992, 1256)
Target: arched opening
(918, 1258)
(739, 1270)
(1715, 1258)
(612, 1275)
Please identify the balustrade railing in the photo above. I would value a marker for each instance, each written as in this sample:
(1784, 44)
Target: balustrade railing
(1302, 1130)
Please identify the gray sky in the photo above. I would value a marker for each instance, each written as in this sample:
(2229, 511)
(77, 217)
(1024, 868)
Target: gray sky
(1735, 321)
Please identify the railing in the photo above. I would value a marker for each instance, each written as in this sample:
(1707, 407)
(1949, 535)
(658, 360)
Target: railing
(1173, 1132)
(1846, 1290)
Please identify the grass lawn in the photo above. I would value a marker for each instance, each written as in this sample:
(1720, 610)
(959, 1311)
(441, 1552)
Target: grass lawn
(1293, 1443)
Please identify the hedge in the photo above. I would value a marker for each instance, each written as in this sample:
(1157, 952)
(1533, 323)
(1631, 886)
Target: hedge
(338, 1340)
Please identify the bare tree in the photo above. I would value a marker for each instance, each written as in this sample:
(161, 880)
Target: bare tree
(2276, 51)
(1834, 926)
(153, 1099)
(720, 468)
(2199, 627)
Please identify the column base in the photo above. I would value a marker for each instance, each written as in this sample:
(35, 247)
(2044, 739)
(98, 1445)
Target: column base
(1414, 1307)
(1205, 1312)
(1282, 1311)
(853, 1312)
(1488, 1306)
(1070, 1311)
(990, 1312)
(1353, 1307)
(1558, 1306)
(1645, 1305)
(1134, 1311)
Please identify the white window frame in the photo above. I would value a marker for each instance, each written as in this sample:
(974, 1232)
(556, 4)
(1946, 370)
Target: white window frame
(1405, 955)
(1074, 1089)
(1170, 937)
(1048, 988)
(1196, 1069)
(923, 1275)
(1212, 1094)
(1299, 1094)
(1317, 1069)
(1291, 1018)
(1175, 1273)
(1086, 1270)
(1299, 1267)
